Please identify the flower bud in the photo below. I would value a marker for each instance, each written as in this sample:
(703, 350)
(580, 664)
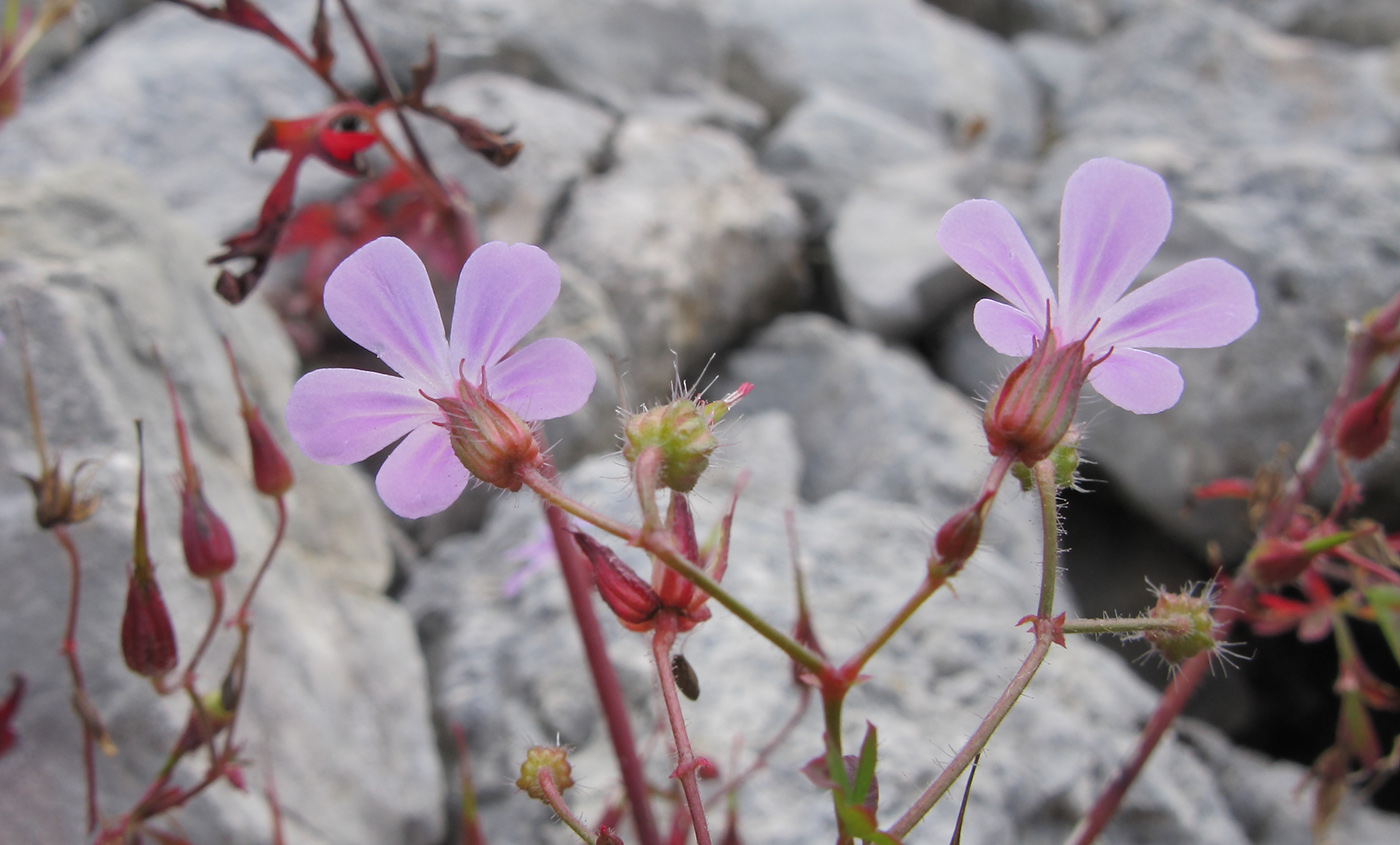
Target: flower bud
(1032, 410)
(490, 440)
(540, 758)
(606, 836)
(671, 587)
(208, 545)
(1275, 561)
(1365, 426)
(957, 540)
(272, 474)
(148, 638)
(1195, 632)
(683, 431)
(633, 600)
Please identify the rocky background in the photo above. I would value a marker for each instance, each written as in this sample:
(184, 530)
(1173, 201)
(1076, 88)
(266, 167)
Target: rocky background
(755, 180)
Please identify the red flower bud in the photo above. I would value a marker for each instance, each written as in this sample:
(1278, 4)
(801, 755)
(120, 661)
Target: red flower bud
(208, 545)
(1032, 410)
(1365, 426)
(148, 638)
(272, 474)
(1275, 561)
(673, 589)
(631, 598)
(490, 440)
(958, 539)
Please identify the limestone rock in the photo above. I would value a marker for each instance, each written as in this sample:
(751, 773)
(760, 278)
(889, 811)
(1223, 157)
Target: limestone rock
(336, 700)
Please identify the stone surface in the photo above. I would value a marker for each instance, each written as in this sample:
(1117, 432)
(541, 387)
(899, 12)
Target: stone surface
(565, 139)
(940, 74)
(1368, 22)
(891, 275)
(179, 100)
(336, 702)
(830, 142)
(691, 242)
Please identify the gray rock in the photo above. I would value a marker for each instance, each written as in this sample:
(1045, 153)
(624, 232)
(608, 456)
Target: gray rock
(336, 703)
(1076, 18)
(941, 75)
(892, 277)
(179, 100)
(564, 137)
(509, 671)
(830, 142)
(1367, 22)
(691, 242)
(1211, 77)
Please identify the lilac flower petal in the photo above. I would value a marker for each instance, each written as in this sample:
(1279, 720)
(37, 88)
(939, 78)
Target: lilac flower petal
(502, 293)
(983, 238)
(1203, 303)
(550, 378)
(1113, 219)
(1007, 330)
(421, 476)
(343, 416)
(1138, 381)
(382, 299)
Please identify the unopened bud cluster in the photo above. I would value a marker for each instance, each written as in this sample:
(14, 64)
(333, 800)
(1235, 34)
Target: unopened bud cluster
(682, 431)
(1194, 631)
(545, 758)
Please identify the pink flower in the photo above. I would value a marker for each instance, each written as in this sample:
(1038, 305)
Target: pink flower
(1114, 218)
(381, 298)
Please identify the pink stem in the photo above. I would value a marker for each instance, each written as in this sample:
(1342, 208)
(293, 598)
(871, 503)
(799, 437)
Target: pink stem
(610, 697)
(661, 642)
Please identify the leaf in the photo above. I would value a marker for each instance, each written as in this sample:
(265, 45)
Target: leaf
(859, 822)
(1384, 599)
(865, 786)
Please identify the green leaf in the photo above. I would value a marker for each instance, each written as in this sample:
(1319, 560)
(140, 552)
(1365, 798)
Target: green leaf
(1385, 600)
(865, 790)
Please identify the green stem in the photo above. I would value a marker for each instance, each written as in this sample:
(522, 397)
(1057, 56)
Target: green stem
(1045, 633)
(1049, 535)
(659, 544)
(1135, 625)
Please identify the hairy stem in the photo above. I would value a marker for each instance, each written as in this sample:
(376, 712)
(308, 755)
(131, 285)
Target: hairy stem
(610, 698)
(662, 639)
(660, 545)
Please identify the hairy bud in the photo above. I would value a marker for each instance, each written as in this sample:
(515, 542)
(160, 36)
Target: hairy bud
(490, 440)
(550, 758)
(1195, 629)
(1031, 411)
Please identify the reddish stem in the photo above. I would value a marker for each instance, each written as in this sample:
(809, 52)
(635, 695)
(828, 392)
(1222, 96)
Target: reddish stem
(610, 697)
(93, 729)
(1229, 608)
(662, 639)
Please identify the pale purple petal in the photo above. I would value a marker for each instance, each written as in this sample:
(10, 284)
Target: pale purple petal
(502, 293)
(1113, 219)
(1200, 304)
(421, 476)
(1138, 381)
(983, 238)
(343, 416)
(382, 299)
(1006, 329)
(550, 378)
